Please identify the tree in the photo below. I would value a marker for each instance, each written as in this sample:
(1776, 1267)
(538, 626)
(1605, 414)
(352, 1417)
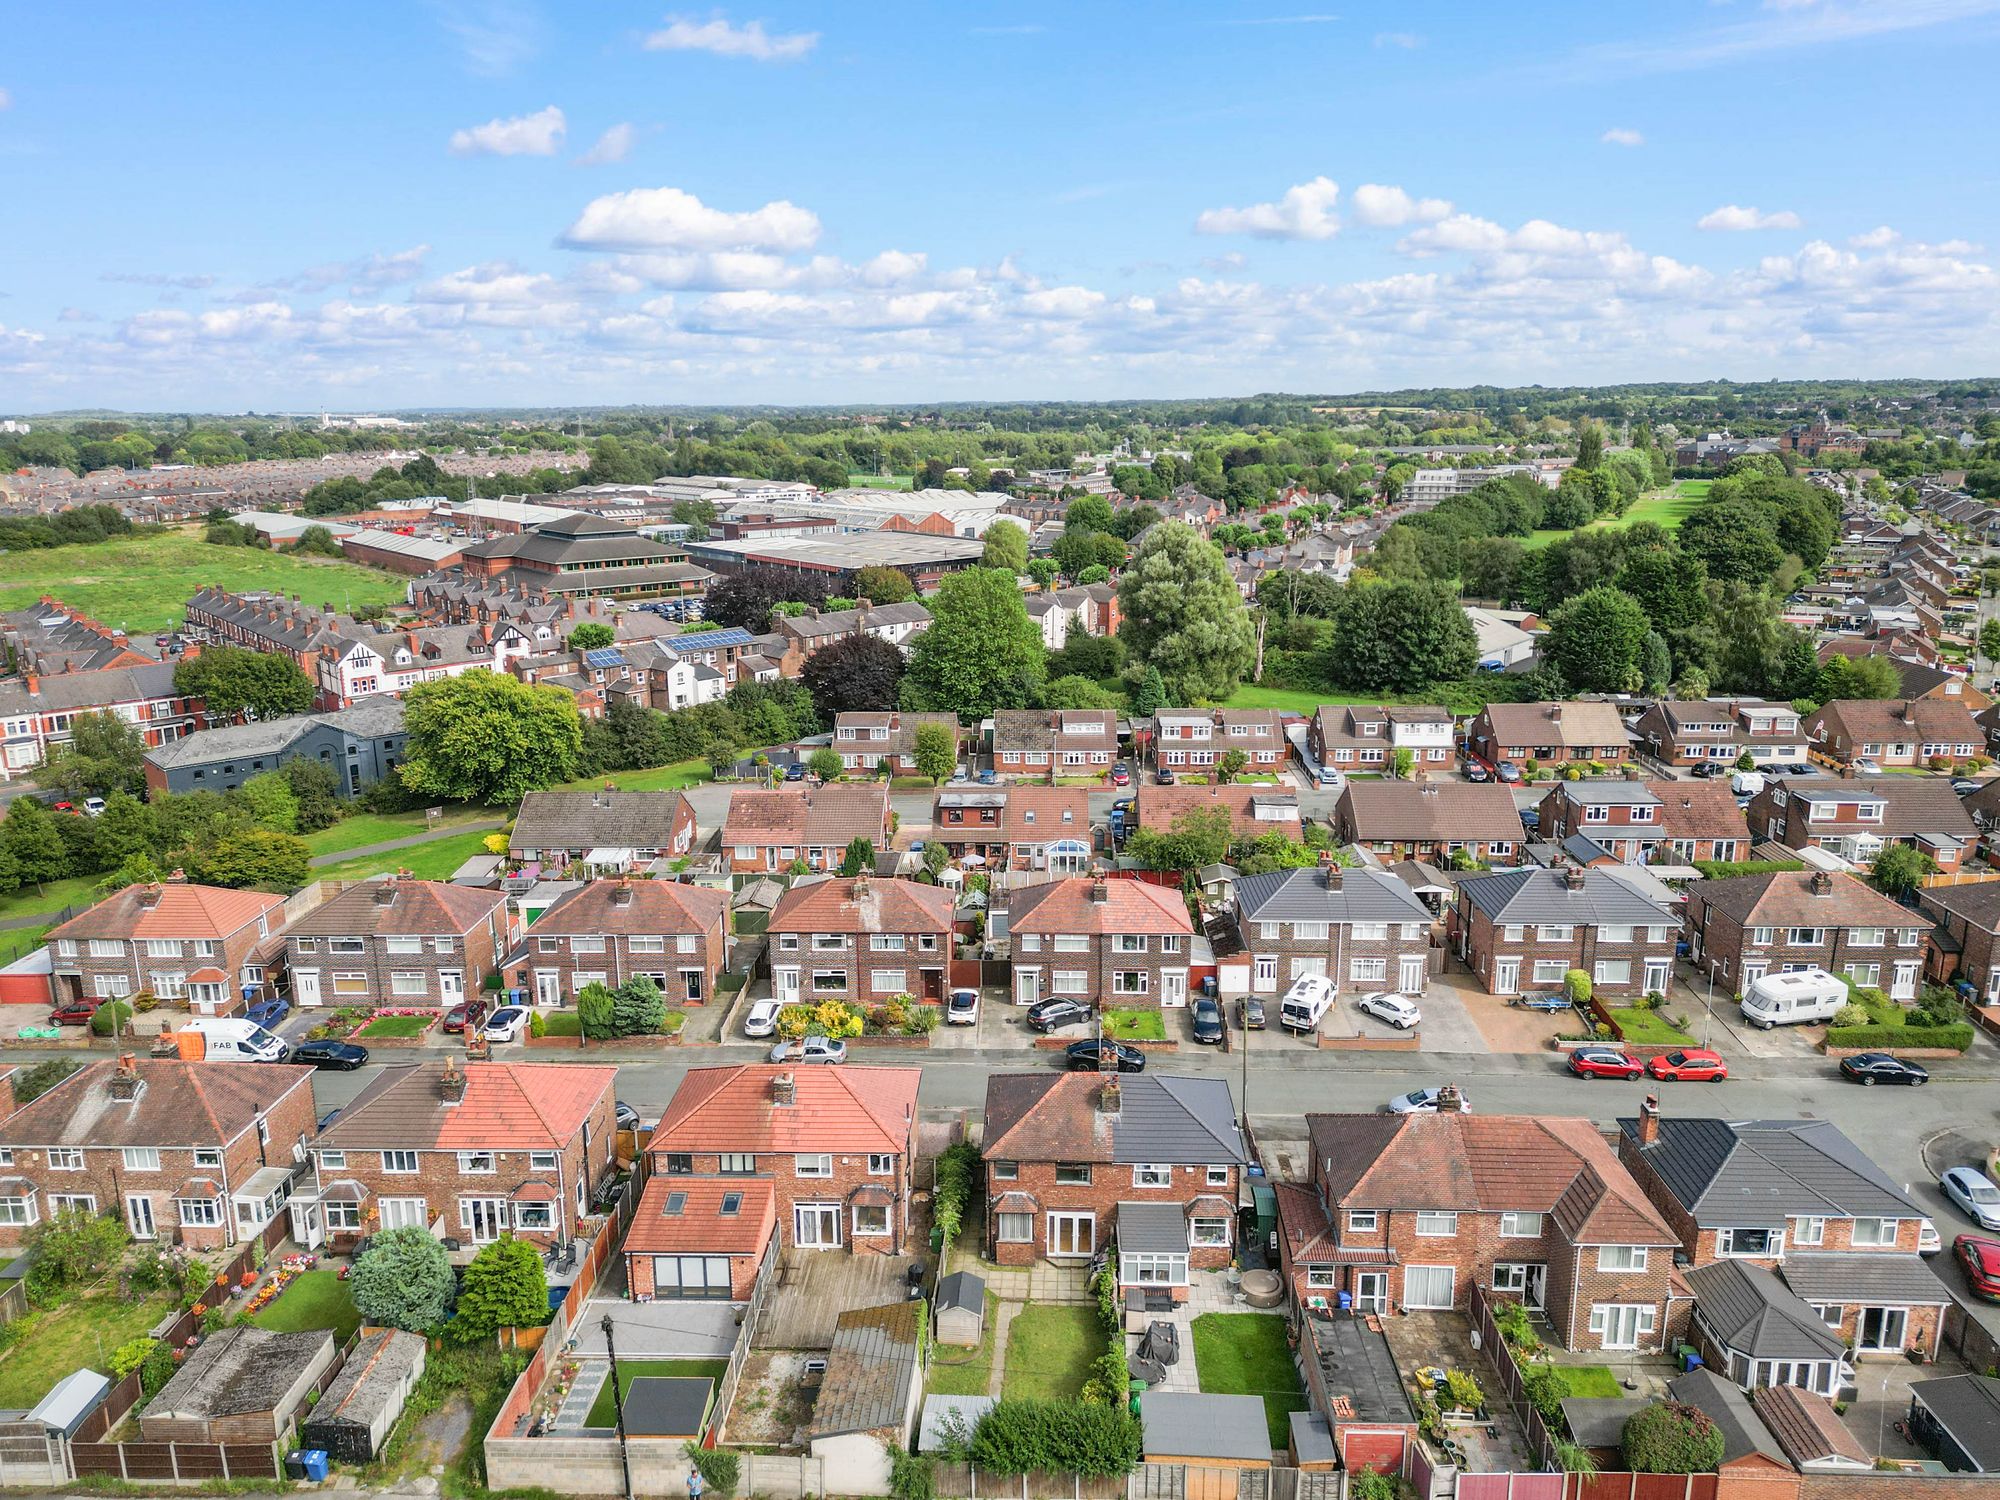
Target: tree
(591, 635)
(981, 652)
(1095, 573)
(318, 540)
(1858, 677)
(127, 827)
(31, 851)
(504, 1287)
(1488, 567)
(1400, 637)
(104, 755)
(880, 585)
(638, 1008)
(1668, 1438)
(1006, 547)
(271, 802)
(1183, 614)
(404, 1280)
(1402, 762)
(1150, 696)
(1072, 691)
(1590, 446)
(256, 860)
(1230, 765)
(697, 515)
(1088, 513)
(859, 858)
(1043, 571)
(1899, 869)
(486, 737)
(1092, 656)
(1598, 641)
(232, 680)
(315, 788)
(1733, 539)
(855, 673)
(825, 763)
(1989, 640)
(935, 750)
(596, 1011)
(1198, 837)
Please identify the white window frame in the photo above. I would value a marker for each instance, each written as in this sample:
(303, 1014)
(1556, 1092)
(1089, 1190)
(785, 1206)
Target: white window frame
(1520, 1224)
(816, 1164)
(1152, 1175)
(1621, 1258)
(1443, 1224)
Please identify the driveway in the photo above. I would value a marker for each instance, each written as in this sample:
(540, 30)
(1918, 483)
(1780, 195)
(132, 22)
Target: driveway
(1447, 1025)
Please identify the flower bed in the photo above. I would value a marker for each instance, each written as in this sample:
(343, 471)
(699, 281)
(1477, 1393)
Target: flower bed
(340, 1023)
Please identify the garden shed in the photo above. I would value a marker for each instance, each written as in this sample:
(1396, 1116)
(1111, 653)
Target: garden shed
(961, 1308)
(353, 1419)
(241, 1385)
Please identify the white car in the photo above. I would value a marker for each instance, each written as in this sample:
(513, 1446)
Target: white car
(505, 1024)
(762, 1019)
(1928, 1242)
(1400, 1011)
(962, 1008)
(1424, 1102)
(811, 1049)
(1867, 766)
(1973, 1195)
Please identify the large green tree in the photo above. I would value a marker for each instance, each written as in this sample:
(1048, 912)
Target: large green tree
(31, 851)
(104, 755)
(1734, 540)
(232, 680)
(880, 585)
(1397, 637)
(981, 652)
(504, 1287)
(1183, 614)
(1006, 547)
(258, 859)
(1598, 642)
(487, 737)
(403, 1280)
(856, 672)
(936, 751)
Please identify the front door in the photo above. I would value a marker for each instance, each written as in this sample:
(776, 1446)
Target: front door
(1371, 1291)
(1881, 1330)
(816, 1226)
(483, 1218)
(787, 981)
(307, 1223)
(548, 987)
(1027, 986)
(1506, 976)
(305, 986)
(1905, 985)
(1173, 987)
(139, 1216)
(1410, 974)
(1656, 976)
(1072, 1234)
(451, 986)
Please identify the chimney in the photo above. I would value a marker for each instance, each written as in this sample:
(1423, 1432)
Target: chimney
(1110, 1097)
(1573, 877)
(1649, 1120)
(451, 1082)
(1100, 888)
(621, 893)
(1450, 1100)
(1822, 883)
(125, 1078)
(1556, 712)
(784, 1090)
(864, 605)
(34, 685)
(385, 892)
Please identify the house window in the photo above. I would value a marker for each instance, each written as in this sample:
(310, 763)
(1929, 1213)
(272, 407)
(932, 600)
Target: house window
(407, 982)
(1749, 1242)
(1367, 970)
(586, 945)
(1073, 1174)
(142, 1158)
(534, 1216)
(891, 981)
(403, 946)
(1621, 1257)
(1558, 934)
(1510, 1276)
(1005, 1171)
(679, 1164)
(207, 1156)
(1874, 1233)
(829, 981)
(871, 1219)
(1809, 1231)
(881, 1164)
(1216, 1177)
(17, 1211)
(1866, 937)
(333, 1161)
(1208, 1231)
(350, 983)
(541, 1161)
(1069, 982)
(65, 1159)
(204, 1213)
(886, 942)
(1152, 1175)
(1017, 1229)
(475, 1161)
(83, 1203)
(1550, 970)
(1363, 1221)
(1129, 981)
(1437, 1225)
(819, 1165)
(646, 945)
(1613, 971)
(736, 1163)
(1129, 942)
(1805, 937)
(403, 1163)
(1520, 1225)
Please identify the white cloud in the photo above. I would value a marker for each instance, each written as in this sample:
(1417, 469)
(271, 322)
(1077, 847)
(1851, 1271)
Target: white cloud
(614, 145)
(1734, 218)
(159, 279)
(494, 36)
(538, 134)
(1409, 41)
(1785, 29)
(1391, 208)
(369, 273)
(1877, 238)
(6, 100)
(496, 281)
(893, 268)
(724, 39)
(1306, 212)
(1619, 135)
(668, 219)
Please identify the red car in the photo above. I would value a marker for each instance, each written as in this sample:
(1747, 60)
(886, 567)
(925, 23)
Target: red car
(1980, 1259)
(466, 1013)
(1690, 1065)
(75, 1013)
(1604, 1062)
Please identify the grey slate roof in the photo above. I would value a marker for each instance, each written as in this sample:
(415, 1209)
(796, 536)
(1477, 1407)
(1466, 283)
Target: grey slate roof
(1752, 1173)
(963, 1290)
(869, 1370)
(88, 690)
(1195, 1424)
(1863, 1276)
(1544, 897)
(594, 820)
(1599, 1421)
(1312, 1439)
(1756, 1315)
(1967, 1407)
(1303, 896)
(1161, 1118)
(1743, 1431)
(958, 1411)
(1609, 793)
(1152, 1228)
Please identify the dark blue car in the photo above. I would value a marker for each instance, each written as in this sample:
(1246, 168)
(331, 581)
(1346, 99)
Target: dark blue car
(268, 1013)
(342, 1057)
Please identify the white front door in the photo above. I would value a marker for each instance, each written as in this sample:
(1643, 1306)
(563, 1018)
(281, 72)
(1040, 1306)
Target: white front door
(305, 986)
(483, 1218)
(1751, 974)
(139, 1216)
(1905, 986)
(1072, 1234)
(787, 981)
(451, 986)
(306, 1223)
(548, 987)
(1410, 974)
(1657, 971)
(1506, 976)
(816, 1226)
(1173, 987)
(404, 1213)
(1027, 986)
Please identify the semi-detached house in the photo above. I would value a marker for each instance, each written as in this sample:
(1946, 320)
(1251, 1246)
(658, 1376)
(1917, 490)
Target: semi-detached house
(1049, 742)
(1363, 929)
(609, 931)
(1124, 943)
(1895, 732)
(768, 830)
(397, 942)
(860, 938)
(1747, 926)
(1858, 817)
(1366, 738)
(1195, 739)
(1526, 929)
(170, 939)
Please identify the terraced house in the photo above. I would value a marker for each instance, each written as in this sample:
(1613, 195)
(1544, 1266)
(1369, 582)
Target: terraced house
(1194, 739)
(1122, 943)
(1747, 926)
(608, 931)
(1363, 929)
(397, 942)
(1526, 929)
(860, 938)
(1047, 743)
(170, 939)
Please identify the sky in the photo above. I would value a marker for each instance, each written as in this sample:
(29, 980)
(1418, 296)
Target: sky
(406, 203)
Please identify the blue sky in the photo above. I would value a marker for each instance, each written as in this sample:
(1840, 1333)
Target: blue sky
(487, 202)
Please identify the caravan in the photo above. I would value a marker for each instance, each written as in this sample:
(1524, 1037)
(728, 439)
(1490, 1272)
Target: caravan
(1793, 999)
(1305, 1002)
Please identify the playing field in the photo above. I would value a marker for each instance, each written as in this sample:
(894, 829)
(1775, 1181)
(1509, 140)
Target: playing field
(141, 583)
(1666, 511)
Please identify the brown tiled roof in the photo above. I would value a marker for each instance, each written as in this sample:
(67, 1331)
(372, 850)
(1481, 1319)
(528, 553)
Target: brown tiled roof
(1785, 898)
(1978, 901)
(413, 906)
(1577, 726)
(698, 1224)
(650, 906)
(1806, 1425)
(506, 1106)
(1446, 811)
(1070, 906)
(178, 1104)
(1159, 806)
(1047, 804)
(851, 1109)
(1060, 1117)
(1911, 805)
(178, 911)
(825, 816)
(902, 729)
(864, 903)
(1928, 720)
(1698, 810)
(1044, 728)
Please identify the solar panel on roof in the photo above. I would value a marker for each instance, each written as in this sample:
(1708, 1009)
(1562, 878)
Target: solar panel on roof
(707, 640)
(607, 656)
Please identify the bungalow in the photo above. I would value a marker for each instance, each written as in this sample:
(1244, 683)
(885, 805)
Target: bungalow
(607, 830)
(1429, 820)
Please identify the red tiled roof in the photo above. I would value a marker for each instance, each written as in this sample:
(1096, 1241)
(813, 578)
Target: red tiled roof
(510, 1106)
(651, 906)
(1161, 806)
(700, 1226)
(180, 911)
(1069, 906)
(863, 904)
(836, 1109)
(400, 907)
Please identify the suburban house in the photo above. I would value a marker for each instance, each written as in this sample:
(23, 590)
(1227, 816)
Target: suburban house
(819, 1157)
(1526, 929)
(1054, 742)
(1194, 739)
(1700, 820)
(1691, 731)
(1792, 1233)
(1363, 929)
(397, 942)
(860, 938)
(1925, 680)
(607, 831)
(1857, 817)
(1413, 1211)
(609, 931)
(1549, 733)
(1966, 944)
(1253, 810)
(359, 745)
(1076, 1160)
(1429, 820)
(1020, 827)
(469, 1151)
(1623, 818)
(1356, 738)
(1895, 731)
(866, 740)
(167, 939)
(1746, 926)
(198, 1154)
(1101, 941)
(37, 709)
(770, 829)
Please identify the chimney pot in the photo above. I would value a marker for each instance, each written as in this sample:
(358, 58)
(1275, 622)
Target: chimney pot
(1450, 1101)
(1110, 1097)
(1822, 883)
(451, 1082)
(1100, 888)
(784, 1089)
(1573, 877)
(1649, 1120)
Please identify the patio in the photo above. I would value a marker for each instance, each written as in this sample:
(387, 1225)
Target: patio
(1443, 1341)
(658, 1330)
(815, 1287)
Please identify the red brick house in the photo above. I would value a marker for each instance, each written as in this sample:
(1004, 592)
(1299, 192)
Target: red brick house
(864, 741)
(1046, 743)
(172, 940)
(1353, 737)
(194, 1153)
(1620, 817)
(1858, 817)
(1018, 827)
(822, 1159)
(1194, 739)
(1429, 820)
(1123, 943)
(1073, 1160)
(767, 830)
(1895, 732)
(468, 1151)
(1413, 1211)
(397, 942)
(860, 938)
(1522, 930)
(1253, 810)
(1746, 926)
(1551, 734)
(1969, 915)
(1692, 731)
(608, 931)
(1699, 820)
(1363, 929)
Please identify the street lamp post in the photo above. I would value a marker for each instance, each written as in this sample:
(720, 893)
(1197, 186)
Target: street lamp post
(618, 1405)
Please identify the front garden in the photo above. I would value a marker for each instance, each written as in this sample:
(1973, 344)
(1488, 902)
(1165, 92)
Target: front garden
(1135, 1025)
(905, 1015)
(1872, 1019)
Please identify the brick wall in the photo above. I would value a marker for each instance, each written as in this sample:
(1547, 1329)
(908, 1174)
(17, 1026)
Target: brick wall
(1099, 962)
(865, 974)
(1336, 952)
(1482, 943)
(554, 954)
(850, 1173)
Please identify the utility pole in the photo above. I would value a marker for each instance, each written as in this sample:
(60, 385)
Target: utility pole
(618, 1405)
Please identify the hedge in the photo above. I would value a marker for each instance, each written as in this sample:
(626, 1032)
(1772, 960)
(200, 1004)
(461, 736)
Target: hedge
(1063, 1437)
(1716, 869)
(1956, 1037)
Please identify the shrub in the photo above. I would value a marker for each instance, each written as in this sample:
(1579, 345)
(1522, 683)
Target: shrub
(596, 1010)
(110, 1018)
(1545, 1390)
(1022, 1437)
(538, 1025)
(956, 1169)
(1369, 1484)
(717, 1467)
(157, 1369)
(1464, 1391)
(1850, 1014)
(1668, 1438)
(144, 1001)
(912, 1476)
(1955, 1038)
(129, 1355)
(1576, 985)
(504, 1287)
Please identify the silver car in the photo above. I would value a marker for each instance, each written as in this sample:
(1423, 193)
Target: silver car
(811, 1049)
(1424, 1102)
(1973, 1195)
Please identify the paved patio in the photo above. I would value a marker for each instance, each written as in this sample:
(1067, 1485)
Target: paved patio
(1208, 1292)
(658, 1330)
(1443, 1341)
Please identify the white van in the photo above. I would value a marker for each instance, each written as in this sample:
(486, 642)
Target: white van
(1793, 999)
(1305, 1002)
(229, 1039)
(1747, 783)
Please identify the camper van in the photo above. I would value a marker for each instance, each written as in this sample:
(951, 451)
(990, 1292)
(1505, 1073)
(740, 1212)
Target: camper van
(227, 1039)
(1305, 1002)
(1794, 999)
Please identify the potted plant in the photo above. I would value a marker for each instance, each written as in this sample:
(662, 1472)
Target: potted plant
(1234, 1275)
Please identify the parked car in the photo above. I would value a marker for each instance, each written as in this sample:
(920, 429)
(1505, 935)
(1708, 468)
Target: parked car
(1086, 1056)
(1689, 1065)
(1928, 1242)
(962, 1008)
(93, 805)
(341, 1057)
(762, 1018)
(268, 1013)
(1400, 1011)
(1164, 776)
(1424, 1102)
(796, 771)
(1253, 1014)
(1979, 1258)
(1051, 1015)
(811, 1049)
(1973, 1194)
(1474, 771)
(1708, 770)
(1880, 1067)
(1965, 785)
(988, 778)
(505, 1024)
(468, 1012)
(626, 1116)
(1120, 775)
(1604, 1062)
(73, 1013)
(1508, 771)
(1865, 765)
(1207, 1018)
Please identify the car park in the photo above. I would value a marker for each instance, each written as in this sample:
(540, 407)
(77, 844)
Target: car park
(1973, 1194)
(468, 1013)
(1399, 1011)
(1207, 1019)
(268, 1013)
(1424, 1102)
(340, 1057)
(1979, 1258)
(1879, 1067)
(811, 1049)
(505, 1024)
(762, 1018)
(1087, 1056)
(1052, 1015)
(962, 1008)
(1604, 1062)
(1689, 1065)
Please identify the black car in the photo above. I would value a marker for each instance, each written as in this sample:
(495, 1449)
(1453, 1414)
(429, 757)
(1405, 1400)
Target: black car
(1085, 1056)
(1207, 1016)
(1050, 1015)
(1253, 1014)
(1474, 771)
(343, 1057)
(1708, 770)
(1880, 1067)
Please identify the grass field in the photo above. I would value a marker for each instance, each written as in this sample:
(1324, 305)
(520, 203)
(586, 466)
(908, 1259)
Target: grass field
(140, 584)
(52, 897)
(959, 1371)
(1135, 1025)
(433, 861)
(47, 1346)
(379, 828)
(1694, 489)
(318, 1299)
(1049, 1350)
(879, 481)
(1666, 511)
(601, 1411)
(1648, 1028)
(1244, 1354)
(673, 778)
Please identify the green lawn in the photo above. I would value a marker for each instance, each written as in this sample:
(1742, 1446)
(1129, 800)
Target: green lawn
(1649, 1028)
(379, 828)
(879, 481)
(1588, 1380)
(1467, 695)
(959, 1371)
(396, 1026)
(1049, 1352)
(1694, 489)
(79, 1334)
(433, 861)
(676, 777)
(1244, 1354)
(51, 898)
(601, 1412)
(1135, 1025)
(1667, 511)
(142, 583)
(318, 1299)
(561, 1023)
